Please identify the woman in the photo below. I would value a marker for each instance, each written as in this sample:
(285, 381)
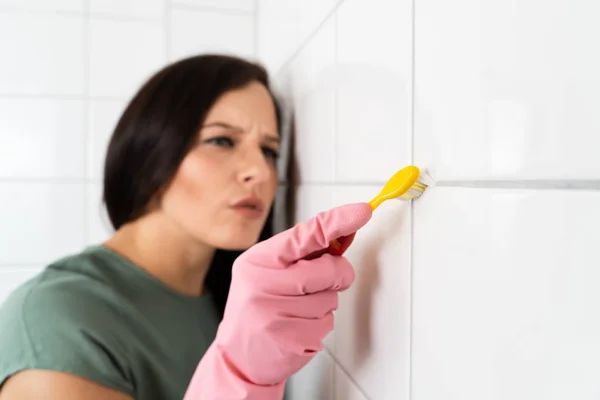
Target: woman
(190, 177)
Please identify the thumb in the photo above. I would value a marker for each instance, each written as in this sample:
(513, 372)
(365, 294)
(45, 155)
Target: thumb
(312, 235)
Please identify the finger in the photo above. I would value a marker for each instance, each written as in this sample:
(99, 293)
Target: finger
(301, 336)
(303, 277)
(310, 236)
(309, 306)
(339, 246)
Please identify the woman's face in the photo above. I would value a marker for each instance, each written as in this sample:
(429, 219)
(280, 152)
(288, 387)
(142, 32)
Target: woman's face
(224, 188)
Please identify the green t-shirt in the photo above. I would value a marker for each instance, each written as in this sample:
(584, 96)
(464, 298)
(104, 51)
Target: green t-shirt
(98, 316)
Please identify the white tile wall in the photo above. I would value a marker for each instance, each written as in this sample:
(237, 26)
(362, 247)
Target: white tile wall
(487, 293)
(68, 69)
(240, 6)
(374, 88)
(345, 387)
(198, 31)
(43, 5)
(506, 307)
(40, 221)
(312, 80)
(123, 54)
(43, 54)
(316, 380)
(98, 226)
(49, 129)
(498, 99)
(151, 9)
(372, 335)
(102, 119)
(278, 31)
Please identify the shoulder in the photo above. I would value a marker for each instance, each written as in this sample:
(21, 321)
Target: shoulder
(65, 319)
(70, 291)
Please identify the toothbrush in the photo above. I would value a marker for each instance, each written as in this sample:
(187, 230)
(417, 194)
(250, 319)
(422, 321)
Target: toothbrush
(408, 183)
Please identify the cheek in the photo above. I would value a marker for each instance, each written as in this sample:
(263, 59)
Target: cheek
(187, 194)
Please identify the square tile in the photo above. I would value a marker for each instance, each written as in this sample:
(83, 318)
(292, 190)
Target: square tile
(312, 86)
(13, 277)
(103, 118)
(311, 200)
(41, 138)
(374, 89)
(45, 220)
(31, 41)
(196, 32)
(99, 227)
(505, 295)
(372, 328)
(496, 99)
(129, 8)
(124, 55)
(230, 5)
(44, 5)
(314, 381)
(278, 30)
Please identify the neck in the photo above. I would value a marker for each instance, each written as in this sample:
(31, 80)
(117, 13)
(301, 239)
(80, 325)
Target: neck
(160, 247)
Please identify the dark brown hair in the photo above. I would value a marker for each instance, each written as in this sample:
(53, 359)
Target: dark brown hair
(157, 130)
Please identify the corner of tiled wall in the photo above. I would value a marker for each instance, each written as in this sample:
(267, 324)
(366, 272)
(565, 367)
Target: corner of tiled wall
(485, 288)
(352, 129)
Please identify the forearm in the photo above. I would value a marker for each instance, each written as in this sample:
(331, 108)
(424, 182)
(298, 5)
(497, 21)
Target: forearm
(216, 379)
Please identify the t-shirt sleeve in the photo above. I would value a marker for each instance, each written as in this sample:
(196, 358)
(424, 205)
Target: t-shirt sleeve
(43, 327)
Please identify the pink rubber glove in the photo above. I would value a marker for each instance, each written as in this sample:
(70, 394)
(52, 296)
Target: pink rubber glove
(279, 310)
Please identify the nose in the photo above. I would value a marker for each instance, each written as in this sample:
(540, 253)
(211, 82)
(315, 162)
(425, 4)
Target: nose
(254, 167)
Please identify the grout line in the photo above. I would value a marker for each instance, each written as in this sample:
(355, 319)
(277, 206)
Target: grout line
(82, 96)
(57, 181)
(336, 97)
(412, 86)
(284, 67)
(40, 12)
(411, 312)
(122, 18)
(483, 184)
(110, 98)
(42, 96)
(551, 184)
(87, 55)
(212, 10)
(346, 373)
(412, 205)
(256, 43)
(118, 17)
(167, 27)
(86, 13)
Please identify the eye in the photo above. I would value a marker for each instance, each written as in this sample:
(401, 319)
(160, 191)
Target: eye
(270, 153)
(220, 141)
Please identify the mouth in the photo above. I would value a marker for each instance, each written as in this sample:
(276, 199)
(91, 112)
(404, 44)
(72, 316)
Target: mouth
(252, 207)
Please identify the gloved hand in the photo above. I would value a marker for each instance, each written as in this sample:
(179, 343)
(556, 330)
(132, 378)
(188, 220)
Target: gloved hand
(279, 310)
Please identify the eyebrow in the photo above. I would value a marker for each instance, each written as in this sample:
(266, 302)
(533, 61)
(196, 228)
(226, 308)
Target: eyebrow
(237, 129)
